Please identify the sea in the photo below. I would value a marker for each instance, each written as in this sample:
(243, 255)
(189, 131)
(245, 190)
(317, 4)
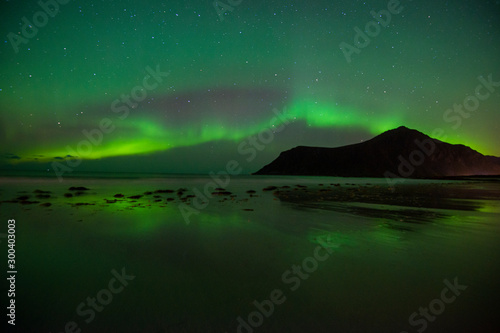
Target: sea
(219, 253)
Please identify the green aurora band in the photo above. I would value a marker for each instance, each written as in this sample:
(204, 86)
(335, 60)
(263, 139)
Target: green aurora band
(227, 77)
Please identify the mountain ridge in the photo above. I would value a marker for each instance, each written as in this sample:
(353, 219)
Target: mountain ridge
(398, 153)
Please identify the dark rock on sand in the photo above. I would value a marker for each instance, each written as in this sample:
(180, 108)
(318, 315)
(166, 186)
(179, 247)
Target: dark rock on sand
(68, 195)
(221, 193)
(181, 191)
(269, 188)
(41, 192)
(164, 191)
(119, 195)
(26, 202)
(78, 188)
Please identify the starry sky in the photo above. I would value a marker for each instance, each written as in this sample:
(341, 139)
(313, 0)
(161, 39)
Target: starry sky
(186, 86)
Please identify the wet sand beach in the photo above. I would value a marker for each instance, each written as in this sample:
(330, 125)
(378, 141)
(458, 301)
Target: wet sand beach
(330, 254)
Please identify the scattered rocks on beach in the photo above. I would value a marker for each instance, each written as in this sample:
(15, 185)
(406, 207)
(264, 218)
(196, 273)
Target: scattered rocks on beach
(150, 198)
(342, 197)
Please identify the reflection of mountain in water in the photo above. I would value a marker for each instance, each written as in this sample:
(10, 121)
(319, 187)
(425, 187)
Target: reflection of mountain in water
(410, 203)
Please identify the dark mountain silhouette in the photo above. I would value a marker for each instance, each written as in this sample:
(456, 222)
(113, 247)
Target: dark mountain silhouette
(401, 152)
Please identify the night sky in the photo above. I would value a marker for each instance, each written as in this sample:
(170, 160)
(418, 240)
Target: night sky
(161, 86)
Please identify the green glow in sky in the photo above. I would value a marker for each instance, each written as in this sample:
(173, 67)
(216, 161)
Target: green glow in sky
(226, 78)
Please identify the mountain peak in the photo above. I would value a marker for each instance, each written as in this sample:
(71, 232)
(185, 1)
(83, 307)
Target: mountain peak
(403, 129)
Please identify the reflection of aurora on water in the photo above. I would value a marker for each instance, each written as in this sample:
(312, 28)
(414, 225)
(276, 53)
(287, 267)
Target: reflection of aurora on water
(391, 251)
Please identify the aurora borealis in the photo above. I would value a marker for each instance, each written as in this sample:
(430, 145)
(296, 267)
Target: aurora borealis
(172, 87)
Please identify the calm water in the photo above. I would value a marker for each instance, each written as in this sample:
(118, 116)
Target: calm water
(330, 266)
